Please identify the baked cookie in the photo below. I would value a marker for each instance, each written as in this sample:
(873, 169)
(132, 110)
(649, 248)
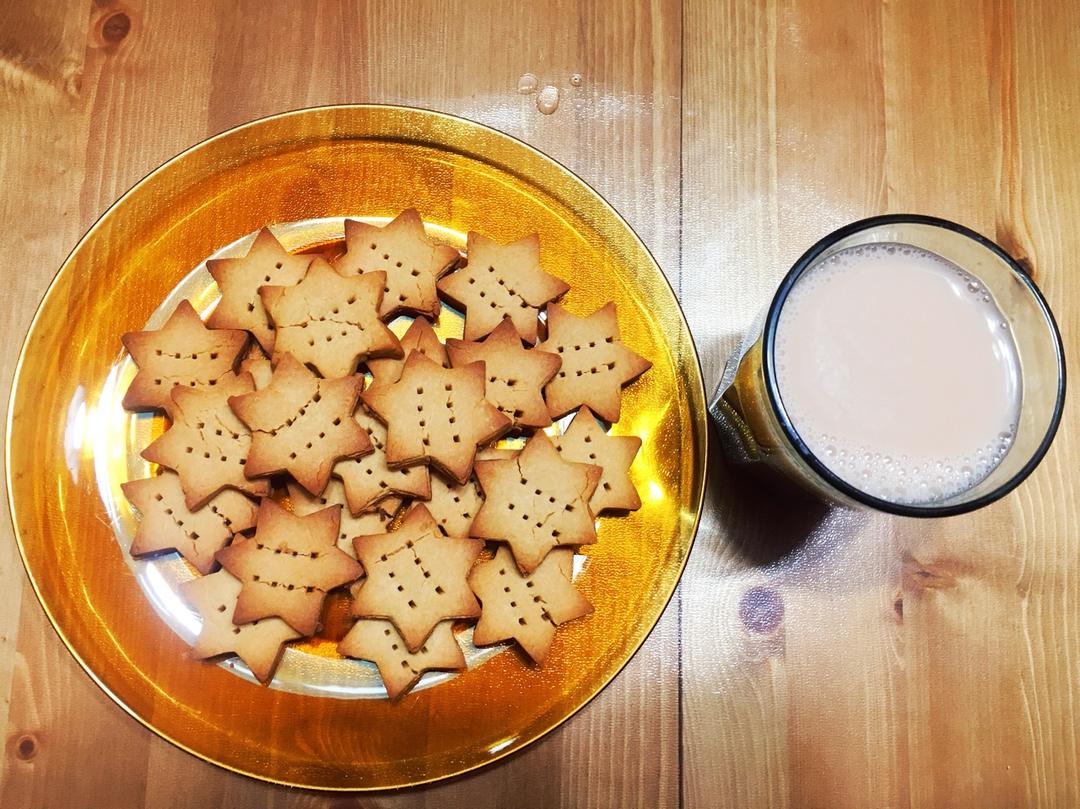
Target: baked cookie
(528, 607)
(452, 505)
(416, 577)
(420, 336)
(595, 363)
(289, 566)
(411, 261)
(515, 375)
(536, 502)
(330, 321)
(400, 669)
(369, 481)
(256, 364)
(239, 279)
(585, 441)
(167, 524)
(501, 280)
(301, 424)
(182, 352)
(258, 643)
(207, 445)
(437, 416)
(376, 521)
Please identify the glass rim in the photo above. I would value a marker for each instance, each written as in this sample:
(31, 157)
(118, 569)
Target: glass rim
(792, 435)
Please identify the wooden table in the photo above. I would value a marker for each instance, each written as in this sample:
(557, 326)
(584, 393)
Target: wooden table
(879, 662)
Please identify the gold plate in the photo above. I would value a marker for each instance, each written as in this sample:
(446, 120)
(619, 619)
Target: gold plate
(69, 446)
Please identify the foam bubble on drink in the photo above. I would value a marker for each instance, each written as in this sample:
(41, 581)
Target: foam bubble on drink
(899, 372)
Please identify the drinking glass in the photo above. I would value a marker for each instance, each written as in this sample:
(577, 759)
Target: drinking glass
(754, 427)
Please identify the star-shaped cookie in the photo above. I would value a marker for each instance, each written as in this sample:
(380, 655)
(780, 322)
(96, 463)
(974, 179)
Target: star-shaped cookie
(526, 608)
(182, 352)
(536, 502)
(301, 424)
(329, 320)
(501, 280)
(289, 566)
(207, 445)
(515, 375)
(411, 261)
(437, 416)
(595, 363)
(239, 279)
(452, 505)
(416, 577)
(259, 643)
(586, 442)
(376, 521)
(167, 523)
(400, 669)
(420, 336)
(369, 481)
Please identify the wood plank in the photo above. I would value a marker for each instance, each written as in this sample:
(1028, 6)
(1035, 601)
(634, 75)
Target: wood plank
(41, 61)
(774, 716)
(939, 682)
(181, 73)
(967, 739)
(989, 630)
(1044, 187)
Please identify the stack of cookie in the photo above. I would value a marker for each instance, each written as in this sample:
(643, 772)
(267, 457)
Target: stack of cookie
(394, 485)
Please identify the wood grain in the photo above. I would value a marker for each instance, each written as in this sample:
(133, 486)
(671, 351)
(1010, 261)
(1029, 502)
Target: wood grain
(812, 658)
(916, 664)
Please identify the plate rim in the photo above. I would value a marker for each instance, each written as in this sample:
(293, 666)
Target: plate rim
(700, 420)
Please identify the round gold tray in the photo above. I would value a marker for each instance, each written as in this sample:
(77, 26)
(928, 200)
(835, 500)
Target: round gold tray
(69, 447)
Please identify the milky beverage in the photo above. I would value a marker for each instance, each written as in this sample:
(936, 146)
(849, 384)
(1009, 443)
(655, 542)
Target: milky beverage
(899, 372)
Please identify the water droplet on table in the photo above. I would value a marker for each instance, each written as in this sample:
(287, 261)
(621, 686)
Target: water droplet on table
(527, 83)
(548, 99)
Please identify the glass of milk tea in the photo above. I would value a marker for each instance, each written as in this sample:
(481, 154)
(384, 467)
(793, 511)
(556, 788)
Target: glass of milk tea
(905, 364)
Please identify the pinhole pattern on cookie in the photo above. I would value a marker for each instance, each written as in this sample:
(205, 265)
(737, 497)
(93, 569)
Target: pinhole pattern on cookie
(588, 363)
(595, 362)
(295, 574)
(369, 481)
(207, 445)
(375, 521)
(416, 577)
(526, 607)
(301, 424)
(412, 263)
(517, 594)
(330, 321)
(378, 641)
(168, 524)
(498, 292)
(184, 353)
(453, 506)
(536, 501)
(412, 580)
